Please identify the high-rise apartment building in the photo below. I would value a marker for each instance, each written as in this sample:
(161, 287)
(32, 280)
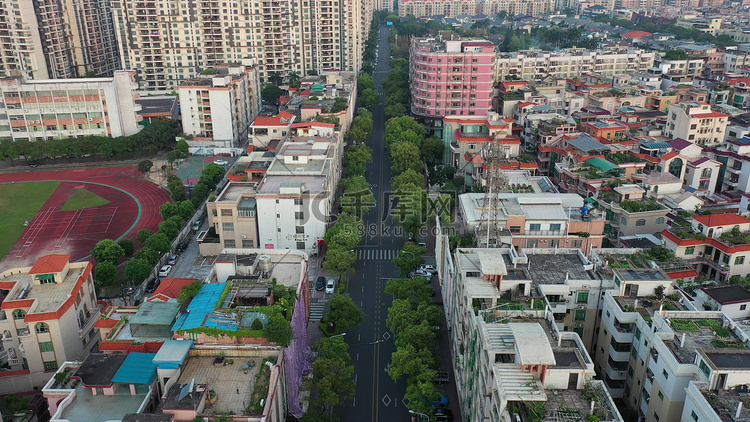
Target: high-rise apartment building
(453, 8)
(46, 39)
(451, 77)
(170, 41)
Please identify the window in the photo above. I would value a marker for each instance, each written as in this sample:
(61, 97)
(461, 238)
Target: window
(620, 347)
(694, 415)
(703, 367)
(583, 297)
(665, 373)
(579, 331)
(297, 201)
(301, 245)
(661, 396)
(634, 353)
(630, 371)
(640, 222)
(637, 333)
(577, 243)
(227, 227)
(739, 260)
(50, 366)
(690, 250)
(656, 417)
(535, 226)
(554, 227)
(247, 243)
(299, 229)
(623, 221)
(19, 314)
(299, 215)
(743, 307)
(46, 346)
(226, 213)
(42, 328)
(532, 243)
(580, 315)
(515, 229)
(230, 243)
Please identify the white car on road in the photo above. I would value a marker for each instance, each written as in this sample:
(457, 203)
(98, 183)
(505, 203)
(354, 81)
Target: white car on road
(221, 162)
(331, 286)
(164, 271)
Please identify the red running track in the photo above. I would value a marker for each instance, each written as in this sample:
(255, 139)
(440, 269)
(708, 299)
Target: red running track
(76, 232)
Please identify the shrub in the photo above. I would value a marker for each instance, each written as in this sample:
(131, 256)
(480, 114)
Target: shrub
(257, 325)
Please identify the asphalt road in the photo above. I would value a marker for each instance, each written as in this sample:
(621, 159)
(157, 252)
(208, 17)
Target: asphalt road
(377, 396)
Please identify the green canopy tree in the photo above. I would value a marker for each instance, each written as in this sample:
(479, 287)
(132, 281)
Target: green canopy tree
(145, 166)
(397, 126)
(343, 314)
(432, 150)
(394, 110)
(278, 330)
(346, 233)
(137, 269)
(271, 93)
(339, 261)
(128, 246)
(107, 250)
(356, 159)
(159, 243)
(104, 273)
(333, 372)
(408, 180)
(408, 260)
(405, 156)
(148, 254)
(369, 98)
(143, 235)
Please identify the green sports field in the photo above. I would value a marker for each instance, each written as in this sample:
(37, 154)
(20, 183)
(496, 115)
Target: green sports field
(20, 202)
(81, 199)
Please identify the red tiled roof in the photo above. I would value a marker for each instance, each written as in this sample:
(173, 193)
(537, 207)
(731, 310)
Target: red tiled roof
(669, 155)
(50, 264)
(713, 220)
(106, 323)
(281, 119)
(523, 104)
(312, 124)
(636, 34)
(170, 288)
(674, 275)
(711, 114)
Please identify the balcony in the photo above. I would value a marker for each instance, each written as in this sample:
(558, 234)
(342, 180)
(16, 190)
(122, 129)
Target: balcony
(544, 232)
(615, 374)
(618, 356)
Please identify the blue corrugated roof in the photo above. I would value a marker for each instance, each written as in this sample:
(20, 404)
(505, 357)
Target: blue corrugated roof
(173, 353)
(656, 145)
(202, 304)
(587, 143)
(138, 368)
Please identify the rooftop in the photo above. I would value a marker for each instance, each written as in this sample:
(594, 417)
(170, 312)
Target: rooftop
(705, 335)
(567, 265)
(713, 220)
(726, 402)
(159, 105)
(138, 368)
(647, 307)
(98, 369)
(236, 190)
(87, 407)
(48, 297)
(200, 306)
(314, 185)
(725, 295)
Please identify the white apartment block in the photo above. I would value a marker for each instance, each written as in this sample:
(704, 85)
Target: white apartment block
(696, 122)
(454, 8)
(56, 39)
(734, 154)
(69, 108)
(570, 63)
(658, 349)
(295, 198)
(47, 316)
(220, 107)
(167, 41)
(506, 354)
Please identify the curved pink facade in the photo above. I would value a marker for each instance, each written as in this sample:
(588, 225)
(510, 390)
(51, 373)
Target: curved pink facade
(451, 78)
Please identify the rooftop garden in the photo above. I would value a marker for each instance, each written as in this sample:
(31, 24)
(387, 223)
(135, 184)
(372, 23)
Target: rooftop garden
(640, 206)
(526, 158)
(735, 237)
(622, 158)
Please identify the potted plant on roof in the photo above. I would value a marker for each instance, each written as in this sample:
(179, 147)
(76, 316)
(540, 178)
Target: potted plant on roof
(211, 397)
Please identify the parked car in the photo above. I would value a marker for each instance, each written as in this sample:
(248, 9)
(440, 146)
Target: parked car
(428, 267)
(33, 164)
(164, 271)
(443, 402)
(172, 260)
(221, 162)
(443, 414)
(152, 285)
(197, 225)
(422, 244)
(422, 273)
(320, 283)
(182, 247)
(331, 286)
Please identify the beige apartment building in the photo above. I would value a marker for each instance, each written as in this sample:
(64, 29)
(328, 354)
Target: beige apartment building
(220, 104)
(47, 316)
(453, 8)
(69, 108)
(570, 63)
(234, 217)
(56, 39)
(169, 41)
(696, 122)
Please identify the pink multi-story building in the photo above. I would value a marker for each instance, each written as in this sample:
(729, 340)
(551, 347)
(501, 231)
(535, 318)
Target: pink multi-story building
(450, 77)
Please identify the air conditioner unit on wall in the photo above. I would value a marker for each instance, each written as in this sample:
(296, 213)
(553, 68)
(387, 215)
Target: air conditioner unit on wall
(581, 306)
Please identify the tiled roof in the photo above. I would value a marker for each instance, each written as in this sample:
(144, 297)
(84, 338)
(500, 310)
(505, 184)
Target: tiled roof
(281, 119)
(50, 264)
(713, 220)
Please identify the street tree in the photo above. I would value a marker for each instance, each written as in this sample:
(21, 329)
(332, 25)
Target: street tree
(169, 228)
(404, 156)
(396, 126)
(408, 180)
(339, 261)
(356, 159)
(369, 98)
(357, 198)
(168, 209)
(104, 274)
(408, 360)
(107, 250)
(186, 210)
(143, 235)
(334, 378)
(432, 150)
(346, 233)
(406, 261)
(137, 269)
(159, 243)
(395, 110)
(343, 314)
(271, 93)
(148, 254)
(364, 82)
(128, 246)
(358, 134)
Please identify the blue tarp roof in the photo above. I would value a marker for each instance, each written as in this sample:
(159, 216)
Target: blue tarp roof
(587, 143)
(172, 353)
(656, 145)
(202, 304)
(138, 368)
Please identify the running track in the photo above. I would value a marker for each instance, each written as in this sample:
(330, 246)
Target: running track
(76, 232)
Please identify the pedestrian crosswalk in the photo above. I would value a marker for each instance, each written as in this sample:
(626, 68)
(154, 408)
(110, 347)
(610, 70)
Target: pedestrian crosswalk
(317, 309)
(377, 254)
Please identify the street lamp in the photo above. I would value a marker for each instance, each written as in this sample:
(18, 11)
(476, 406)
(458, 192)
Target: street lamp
(338, 335)
(410, 253)
(421, 415)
